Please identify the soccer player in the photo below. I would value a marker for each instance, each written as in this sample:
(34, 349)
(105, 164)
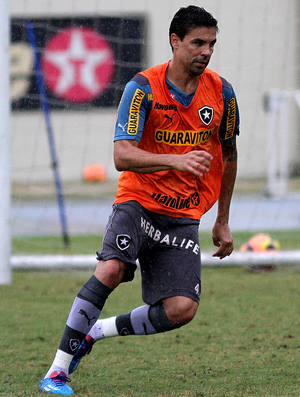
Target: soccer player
(175, 143)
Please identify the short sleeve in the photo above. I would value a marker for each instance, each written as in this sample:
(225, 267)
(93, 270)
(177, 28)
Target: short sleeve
(230, 124)
(134, 108)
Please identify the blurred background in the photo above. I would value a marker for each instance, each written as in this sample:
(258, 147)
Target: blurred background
(89, 49)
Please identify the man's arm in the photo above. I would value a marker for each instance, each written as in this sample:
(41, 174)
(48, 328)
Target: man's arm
(221, 233)
(128, 157)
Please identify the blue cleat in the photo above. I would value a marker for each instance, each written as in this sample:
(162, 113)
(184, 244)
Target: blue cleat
(83, 349)
(56, 384)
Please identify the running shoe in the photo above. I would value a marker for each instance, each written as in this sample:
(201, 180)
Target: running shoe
(83, 349)
(56, 384)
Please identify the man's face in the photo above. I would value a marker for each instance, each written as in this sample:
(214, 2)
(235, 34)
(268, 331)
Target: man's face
(195, 50)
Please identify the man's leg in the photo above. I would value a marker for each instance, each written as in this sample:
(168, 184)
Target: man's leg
(84, 313)
(164, 316)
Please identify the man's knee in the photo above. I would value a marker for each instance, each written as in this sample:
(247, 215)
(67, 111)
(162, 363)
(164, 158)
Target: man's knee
(110, 272)
(180, 310)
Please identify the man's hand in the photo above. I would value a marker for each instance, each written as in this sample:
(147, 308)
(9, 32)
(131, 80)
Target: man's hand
(197, 162)
(222, 238)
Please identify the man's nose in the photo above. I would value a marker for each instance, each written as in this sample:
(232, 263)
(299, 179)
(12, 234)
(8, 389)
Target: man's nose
(206, 50)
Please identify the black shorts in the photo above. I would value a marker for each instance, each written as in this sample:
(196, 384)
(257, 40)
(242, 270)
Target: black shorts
(167, 249)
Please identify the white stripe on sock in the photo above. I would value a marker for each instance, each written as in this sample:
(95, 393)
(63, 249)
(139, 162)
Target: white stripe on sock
(62, 359)
(109, 327)
(60, 363)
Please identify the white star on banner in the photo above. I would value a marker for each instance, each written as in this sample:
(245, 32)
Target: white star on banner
(77, 64)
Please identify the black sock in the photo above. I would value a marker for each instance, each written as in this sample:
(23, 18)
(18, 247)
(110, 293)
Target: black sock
(84, 313)
(144, 320)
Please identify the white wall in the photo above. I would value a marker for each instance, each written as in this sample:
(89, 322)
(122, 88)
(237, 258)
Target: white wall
(257, 51)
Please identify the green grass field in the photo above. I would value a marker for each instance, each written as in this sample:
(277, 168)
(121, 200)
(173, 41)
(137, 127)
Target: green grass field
(244, 340)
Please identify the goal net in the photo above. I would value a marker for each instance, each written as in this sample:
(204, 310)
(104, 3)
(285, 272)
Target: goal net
(90, 49)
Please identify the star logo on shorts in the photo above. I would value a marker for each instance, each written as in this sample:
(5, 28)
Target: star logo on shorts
(74, 344)
(206, 114)
(123, 241)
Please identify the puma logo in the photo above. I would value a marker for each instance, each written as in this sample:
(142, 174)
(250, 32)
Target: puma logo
(169, 118)
(145, 328)
(84, 313)
(123, 127)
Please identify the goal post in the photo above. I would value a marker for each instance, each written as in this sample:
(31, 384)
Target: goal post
(278, 151)
(5, 242)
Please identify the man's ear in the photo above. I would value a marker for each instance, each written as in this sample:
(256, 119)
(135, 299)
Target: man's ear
(174, 39)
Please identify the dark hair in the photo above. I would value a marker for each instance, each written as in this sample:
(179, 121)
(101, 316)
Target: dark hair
(189, 18)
